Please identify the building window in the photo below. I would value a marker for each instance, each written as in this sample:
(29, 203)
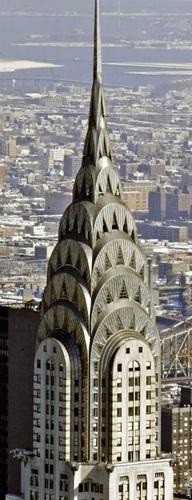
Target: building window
(137, 410)
(119, 412)
(96, 366)
(137, 455)
(50, 365)
(61, 381)
(119, 382)
(130, 456)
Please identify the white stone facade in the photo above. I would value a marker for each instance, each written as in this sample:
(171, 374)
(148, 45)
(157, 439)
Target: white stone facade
(96, 427)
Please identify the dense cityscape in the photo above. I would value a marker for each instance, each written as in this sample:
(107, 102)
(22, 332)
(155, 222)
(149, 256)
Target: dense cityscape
(43, 138)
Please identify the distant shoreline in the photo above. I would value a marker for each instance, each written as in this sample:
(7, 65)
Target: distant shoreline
(10, 66)
(15, 13)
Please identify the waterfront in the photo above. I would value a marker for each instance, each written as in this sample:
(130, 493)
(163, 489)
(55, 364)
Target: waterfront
(160, 42)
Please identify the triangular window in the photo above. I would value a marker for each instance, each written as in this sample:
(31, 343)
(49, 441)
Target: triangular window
(105, 228)
(132, 323)
(143, 331)
(109, 297)
(120, 259)
(137, 297)
(125, 226)
(64, 290)
(100, 191)
(120, 325)
(98, 310)
(133, 236)
(78, 263)
(98, 274)
(108, 187)
(132, 261)
(108, 332)
(115, 223)
(123, 292)
(69, 259)
(75, 296)
(107, 263)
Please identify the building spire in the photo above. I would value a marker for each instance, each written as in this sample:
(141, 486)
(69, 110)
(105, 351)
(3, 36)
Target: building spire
(97, 144)
(97, 64)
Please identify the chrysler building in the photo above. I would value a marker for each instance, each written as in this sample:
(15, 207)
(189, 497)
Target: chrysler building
(96, 388)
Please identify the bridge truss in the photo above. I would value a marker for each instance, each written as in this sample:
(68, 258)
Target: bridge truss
(176, 352)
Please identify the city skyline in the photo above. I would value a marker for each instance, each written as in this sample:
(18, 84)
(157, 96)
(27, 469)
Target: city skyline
(128, 201)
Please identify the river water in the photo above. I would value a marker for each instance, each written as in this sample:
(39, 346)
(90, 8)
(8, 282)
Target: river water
(64, 40)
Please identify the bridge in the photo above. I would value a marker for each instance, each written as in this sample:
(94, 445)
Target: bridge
(176, 352)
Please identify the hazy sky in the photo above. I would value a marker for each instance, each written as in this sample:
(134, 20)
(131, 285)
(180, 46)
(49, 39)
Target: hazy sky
(85, 5)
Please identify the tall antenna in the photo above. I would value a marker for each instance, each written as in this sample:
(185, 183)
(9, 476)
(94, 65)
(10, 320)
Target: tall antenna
(97, 64)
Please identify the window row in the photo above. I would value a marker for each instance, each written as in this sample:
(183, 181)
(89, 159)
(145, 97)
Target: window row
(92, 487)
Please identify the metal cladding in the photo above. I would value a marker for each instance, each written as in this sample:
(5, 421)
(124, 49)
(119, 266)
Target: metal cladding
(97, 285)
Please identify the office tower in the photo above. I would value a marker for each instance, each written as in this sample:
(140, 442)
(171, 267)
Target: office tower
(3, 399)
(2, 175)
(177, 437)
(157, 205)
(18, 327)
(96, 427)
(11, 147)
